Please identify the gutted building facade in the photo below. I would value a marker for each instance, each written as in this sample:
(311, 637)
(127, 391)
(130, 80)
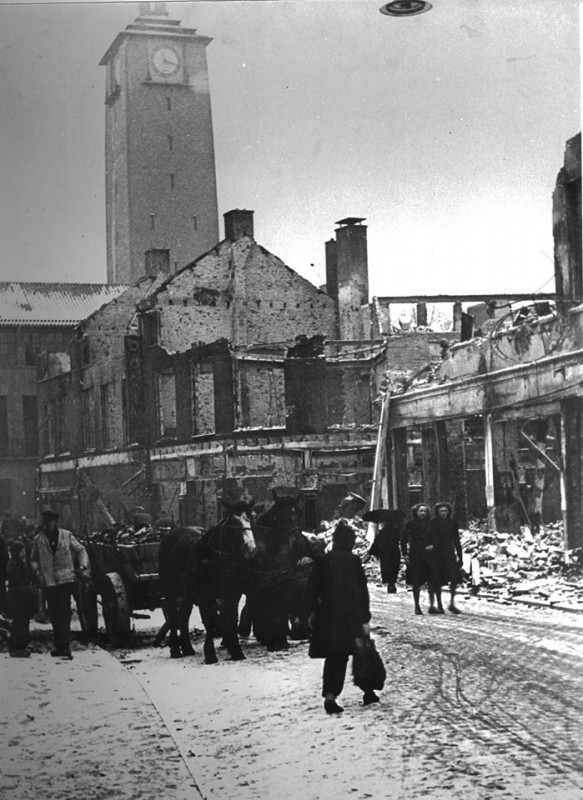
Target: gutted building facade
(497, 430)
(224, 378)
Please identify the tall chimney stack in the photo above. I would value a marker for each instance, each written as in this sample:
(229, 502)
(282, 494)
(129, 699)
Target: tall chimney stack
(347, 275)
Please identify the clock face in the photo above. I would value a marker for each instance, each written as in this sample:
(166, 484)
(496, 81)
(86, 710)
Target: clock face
(166, 60)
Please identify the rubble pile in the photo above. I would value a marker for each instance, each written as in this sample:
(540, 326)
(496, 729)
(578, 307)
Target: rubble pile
(360, 528)
(528, 567)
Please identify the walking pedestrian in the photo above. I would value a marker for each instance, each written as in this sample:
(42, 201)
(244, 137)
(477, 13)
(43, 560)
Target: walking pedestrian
(340, 614)
(418, 554)
(20, 600)
(387, 544)
(57, 560)
(448, 554)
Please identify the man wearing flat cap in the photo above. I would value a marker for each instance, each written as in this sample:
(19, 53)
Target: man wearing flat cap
(57, 559)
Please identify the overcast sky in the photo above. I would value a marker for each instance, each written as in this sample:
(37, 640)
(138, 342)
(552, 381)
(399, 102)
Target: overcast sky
(446, 131)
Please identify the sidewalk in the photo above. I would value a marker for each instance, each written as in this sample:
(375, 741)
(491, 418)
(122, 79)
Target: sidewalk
(83, 729)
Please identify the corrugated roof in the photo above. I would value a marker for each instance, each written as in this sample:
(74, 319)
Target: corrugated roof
(53, 303)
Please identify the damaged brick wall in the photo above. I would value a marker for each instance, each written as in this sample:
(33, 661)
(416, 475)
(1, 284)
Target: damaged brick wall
(100, 355)
(240, 292)
(275, 304)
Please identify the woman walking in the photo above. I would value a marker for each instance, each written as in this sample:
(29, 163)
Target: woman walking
(340, 614)
(418, 554)
(386, 546)
(448, 554)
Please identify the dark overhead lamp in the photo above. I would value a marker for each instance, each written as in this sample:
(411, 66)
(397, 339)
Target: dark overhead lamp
(405, 8)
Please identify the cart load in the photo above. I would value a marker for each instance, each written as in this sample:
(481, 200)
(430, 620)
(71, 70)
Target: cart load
(124, 571)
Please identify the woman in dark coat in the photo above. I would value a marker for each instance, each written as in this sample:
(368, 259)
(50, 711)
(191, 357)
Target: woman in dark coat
(448, 553)
(417, 548)
(340, 614)
(386, 546)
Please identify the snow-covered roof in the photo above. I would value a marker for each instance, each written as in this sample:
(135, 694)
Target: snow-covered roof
(53, 303)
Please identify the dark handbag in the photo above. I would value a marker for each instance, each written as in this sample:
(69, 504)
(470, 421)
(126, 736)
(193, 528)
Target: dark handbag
(368, 670)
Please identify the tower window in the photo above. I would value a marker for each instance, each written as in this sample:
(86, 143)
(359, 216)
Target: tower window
(169, 104)
(172, 180)
(152, 221)
(170, 143)
(195, 223)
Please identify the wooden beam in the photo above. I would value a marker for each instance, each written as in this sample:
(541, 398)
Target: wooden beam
(430, 465)
(489, 469)
(534, 446)
(463, 298)
(379, 461)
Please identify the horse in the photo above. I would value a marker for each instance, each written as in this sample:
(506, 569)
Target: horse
(207, 570)
(270, 579)
(301, 606)
(177, 570)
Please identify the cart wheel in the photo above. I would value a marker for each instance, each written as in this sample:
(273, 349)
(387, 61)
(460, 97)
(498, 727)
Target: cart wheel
(116, 611)
(87, 608)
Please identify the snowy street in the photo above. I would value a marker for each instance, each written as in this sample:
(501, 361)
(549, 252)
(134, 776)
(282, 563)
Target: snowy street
(486, 705)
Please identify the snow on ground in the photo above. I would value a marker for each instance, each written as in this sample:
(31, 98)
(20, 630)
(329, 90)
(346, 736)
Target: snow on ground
(83, 729)
(483, 706)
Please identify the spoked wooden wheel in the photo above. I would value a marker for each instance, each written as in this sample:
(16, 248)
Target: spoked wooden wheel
(87, 607)
(116, 610)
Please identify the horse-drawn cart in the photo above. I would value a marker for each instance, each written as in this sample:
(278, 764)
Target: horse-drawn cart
(125, 575)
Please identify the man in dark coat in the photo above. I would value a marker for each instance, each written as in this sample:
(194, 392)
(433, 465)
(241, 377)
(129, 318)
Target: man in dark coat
(386, 546)
(340, 614)
(448, 554)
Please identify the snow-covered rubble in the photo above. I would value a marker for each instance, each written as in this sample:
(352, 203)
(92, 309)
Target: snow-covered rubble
(531, 567)
(359, 527)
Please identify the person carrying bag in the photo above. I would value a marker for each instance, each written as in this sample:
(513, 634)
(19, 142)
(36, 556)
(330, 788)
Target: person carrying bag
(368, 670)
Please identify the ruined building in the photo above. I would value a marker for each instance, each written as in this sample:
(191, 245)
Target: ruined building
(227, 377)
(497, 430)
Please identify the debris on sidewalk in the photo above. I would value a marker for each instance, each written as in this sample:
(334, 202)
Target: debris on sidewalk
(360, 528)
(526, 567)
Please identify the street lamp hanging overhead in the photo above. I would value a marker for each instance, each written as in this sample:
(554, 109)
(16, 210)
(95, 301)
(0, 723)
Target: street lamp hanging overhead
(405, 8)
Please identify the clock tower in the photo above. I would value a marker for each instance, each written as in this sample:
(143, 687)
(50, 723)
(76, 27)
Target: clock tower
(160, 179)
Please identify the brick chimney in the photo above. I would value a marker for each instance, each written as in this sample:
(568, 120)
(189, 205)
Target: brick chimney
(238, 223)
(347, 274)
(157, 259)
